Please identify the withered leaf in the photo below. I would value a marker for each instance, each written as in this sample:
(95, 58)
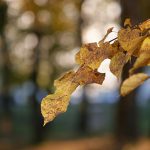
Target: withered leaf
(52, 105)
(144, 56)
(117, 63)
(132, 82)
(99, 55)
(127, 23)
(130, 39)
(85, 51)
(57, 103)
(92, 56)
(65, 83)
(145, 25)
(85, 75)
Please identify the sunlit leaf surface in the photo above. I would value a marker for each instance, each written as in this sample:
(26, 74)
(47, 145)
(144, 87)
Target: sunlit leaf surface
(131, 42)
(133, 82)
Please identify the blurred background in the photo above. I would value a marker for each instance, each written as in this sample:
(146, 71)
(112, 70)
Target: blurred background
(38, 42)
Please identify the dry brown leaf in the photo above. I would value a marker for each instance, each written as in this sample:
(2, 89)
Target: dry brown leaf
(127, 23)
(85, 52)
(57, 103)
(99, 55)
(114, 48)
(85, 75)
(144, 56)
(129, 39)
(117, 63)
(132, 41)
(93, 56)
(145, 25)
(132, 82)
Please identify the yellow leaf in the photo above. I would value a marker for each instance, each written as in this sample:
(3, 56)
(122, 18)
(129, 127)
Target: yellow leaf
(129, 43)
(127, 23)
(132, 82)
(57, 103)
(117, 63)
(52, 105)
(65, 83)
(144, 56)
(85, 52)
(145, 25)
(92, 55)
(130, 39)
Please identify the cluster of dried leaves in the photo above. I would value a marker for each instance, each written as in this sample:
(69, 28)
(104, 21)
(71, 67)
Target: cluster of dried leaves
(132, 41)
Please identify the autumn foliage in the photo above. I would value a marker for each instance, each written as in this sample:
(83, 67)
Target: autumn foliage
(132, 41)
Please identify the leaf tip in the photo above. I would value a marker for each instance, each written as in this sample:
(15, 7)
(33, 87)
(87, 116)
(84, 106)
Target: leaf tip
(45, 122)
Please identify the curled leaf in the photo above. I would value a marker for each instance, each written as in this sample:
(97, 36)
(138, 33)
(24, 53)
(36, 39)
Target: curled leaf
(132, 82)
(144, 56)
(131, 42)
(145, 25)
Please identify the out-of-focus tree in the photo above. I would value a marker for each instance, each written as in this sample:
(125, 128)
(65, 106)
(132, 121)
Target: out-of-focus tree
(43, 36)
(56, 24)
(127, 110)
(4, 75)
